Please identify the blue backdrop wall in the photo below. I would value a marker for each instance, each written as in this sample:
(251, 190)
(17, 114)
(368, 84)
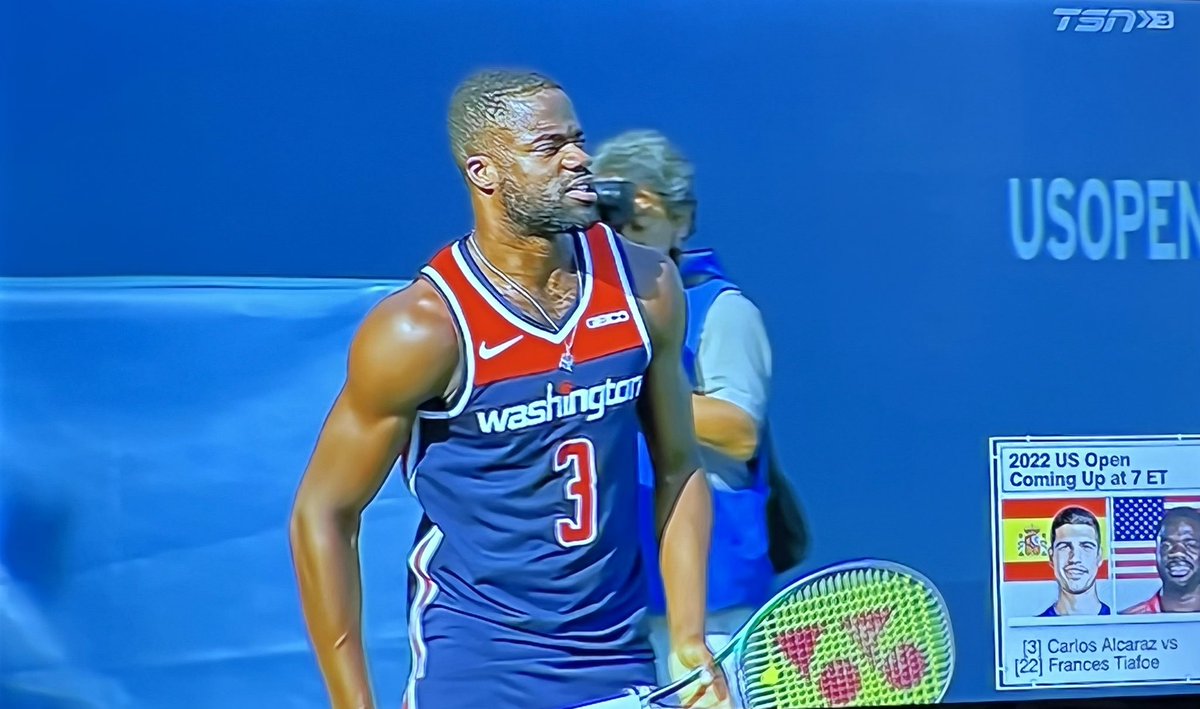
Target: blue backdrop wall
(881, 175)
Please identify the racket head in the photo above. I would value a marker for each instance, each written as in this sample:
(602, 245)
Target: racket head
(861, 633)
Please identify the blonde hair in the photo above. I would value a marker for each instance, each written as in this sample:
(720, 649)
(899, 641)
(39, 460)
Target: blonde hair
(647, 159)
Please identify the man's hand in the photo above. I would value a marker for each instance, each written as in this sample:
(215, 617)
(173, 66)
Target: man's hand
(686, 657)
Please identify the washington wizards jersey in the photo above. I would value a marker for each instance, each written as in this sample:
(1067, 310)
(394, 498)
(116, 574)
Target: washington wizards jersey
(526, 580)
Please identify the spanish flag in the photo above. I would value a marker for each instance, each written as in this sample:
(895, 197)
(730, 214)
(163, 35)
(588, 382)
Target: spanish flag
(1025, 530)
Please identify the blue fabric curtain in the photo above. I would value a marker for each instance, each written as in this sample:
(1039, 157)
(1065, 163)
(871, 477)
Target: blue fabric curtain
(152, 433)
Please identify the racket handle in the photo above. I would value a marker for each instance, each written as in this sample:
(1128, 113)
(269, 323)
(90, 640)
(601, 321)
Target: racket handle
(628, 700)
(700, 674)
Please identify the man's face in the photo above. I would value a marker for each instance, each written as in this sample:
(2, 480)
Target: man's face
(1075, 557)
(545, 179)
(659, 224)
(1179, 554)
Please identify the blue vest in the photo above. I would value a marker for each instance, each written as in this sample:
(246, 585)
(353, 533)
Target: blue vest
(739, 568)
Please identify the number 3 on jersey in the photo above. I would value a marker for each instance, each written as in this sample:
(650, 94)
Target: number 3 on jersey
(577, 455)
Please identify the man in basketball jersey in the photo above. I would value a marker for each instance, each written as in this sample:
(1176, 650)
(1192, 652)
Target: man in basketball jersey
(513, 377)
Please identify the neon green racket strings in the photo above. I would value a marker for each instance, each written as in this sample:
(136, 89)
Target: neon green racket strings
(865, 636)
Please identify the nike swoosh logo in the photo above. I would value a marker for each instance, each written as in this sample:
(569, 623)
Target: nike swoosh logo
(486, 352)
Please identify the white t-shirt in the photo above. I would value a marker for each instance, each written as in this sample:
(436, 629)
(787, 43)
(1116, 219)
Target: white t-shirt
(733, 365)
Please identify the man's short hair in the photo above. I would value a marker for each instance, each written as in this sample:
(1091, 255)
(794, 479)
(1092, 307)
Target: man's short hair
(647, 159)
(1179, 514)
(481, 104)
(1073, 515)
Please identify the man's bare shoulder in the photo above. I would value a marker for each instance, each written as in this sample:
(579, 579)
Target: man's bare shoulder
(406, 348)
(407, 317)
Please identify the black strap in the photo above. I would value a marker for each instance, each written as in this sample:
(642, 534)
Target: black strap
(787, 530)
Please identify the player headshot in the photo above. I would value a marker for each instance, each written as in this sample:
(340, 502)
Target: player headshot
(1075, 555)
(515, 373)
(1178, 561)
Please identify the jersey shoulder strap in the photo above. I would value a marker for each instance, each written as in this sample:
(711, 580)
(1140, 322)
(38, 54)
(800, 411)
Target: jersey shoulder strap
(614, 299)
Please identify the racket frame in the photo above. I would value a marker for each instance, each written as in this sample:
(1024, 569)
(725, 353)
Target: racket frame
(737, 643)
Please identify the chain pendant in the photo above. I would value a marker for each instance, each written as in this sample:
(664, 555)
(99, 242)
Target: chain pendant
(566, 362)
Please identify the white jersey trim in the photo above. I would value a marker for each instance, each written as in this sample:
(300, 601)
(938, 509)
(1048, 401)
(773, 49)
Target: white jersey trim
(410, 456)
(426, 591)
(460, 321)
(560, 335)
(624, 272)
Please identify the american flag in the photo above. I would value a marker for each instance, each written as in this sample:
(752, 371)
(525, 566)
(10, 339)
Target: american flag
(1135, 532)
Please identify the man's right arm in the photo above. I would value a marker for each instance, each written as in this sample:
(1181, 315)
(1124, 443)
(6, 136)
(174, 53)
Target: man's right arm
(735, 365)
(403, 355)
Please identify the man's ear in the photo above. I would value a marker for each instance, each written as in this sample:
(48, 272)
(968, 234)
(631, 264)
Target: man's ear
(646, 201)
(482, 173)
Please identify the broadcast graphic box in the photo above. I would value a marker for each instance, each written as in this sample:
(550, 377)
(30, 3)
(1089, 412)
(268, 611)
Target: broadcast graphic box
(1096, 560)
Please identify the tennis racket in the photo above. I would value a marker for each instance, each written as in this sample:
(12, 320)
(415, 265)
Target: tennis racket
(861, 633)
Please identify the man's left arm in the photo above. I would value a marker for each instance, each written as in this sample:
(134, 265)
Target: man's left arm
(683, 503)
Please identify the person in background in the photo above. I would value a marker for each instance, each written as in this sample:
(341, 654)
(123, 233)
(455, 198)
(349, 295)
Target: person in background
(727, 357)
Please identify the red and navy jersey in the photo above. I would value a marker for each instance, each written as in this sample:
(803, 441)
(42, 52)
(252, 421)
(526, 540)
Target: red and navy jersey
(529, 549)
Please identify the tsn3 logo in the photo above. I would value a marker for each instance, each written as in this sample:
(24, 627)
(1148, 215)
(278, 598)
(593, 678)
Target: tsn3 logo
(1097, 20)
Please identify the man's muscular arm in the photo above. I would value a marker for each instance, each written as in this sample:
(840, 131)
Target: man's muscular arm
(683, 503)
(403, 355)
(734, 361)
